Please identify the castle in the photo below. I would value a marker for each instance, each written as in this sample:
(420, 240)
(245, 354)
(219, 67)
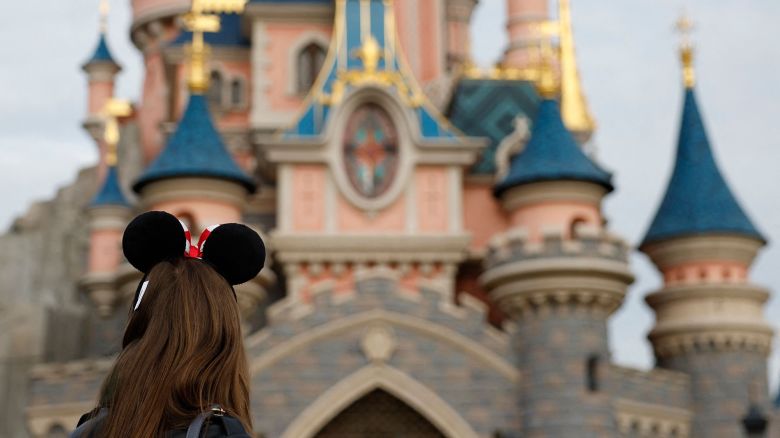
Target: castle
(440, 265)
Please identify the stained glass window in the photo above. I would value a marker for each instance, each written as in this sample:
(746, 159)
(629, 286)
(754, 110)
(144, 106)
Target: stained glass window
(371, 150)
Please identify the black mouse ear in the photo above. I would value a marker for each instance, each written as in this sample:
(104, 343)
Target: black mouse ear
(153, 237)
(236, 251)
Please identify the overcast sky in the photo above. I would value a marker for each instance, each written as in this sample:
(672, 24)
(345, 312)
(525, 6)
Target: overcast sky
(628, 63)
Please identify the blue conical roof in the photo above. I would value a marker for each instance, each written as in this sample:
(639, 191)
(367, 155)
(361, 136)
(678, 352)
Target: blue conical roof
(195, 150)
(698, 199)
(111, 192)
(102, 53)
(551, 154)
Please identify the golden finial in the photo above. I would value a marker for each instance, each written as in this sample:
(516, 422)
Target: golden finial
(684, 27)
(202, 18)
(113, 110)
(574, 107)
(547, 84)
(370, 53)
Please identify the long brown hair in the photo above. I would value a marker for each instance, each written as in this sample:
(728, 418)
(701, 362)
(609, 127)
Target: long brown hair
(183, 351)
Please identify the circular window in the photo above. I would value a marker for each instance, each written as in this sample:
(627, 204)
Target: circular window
(370, 150)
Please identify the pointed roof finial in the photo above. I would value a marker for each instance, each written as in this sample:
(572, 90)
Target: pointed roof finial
(203, 18)
(104, 9)
(114, 109)
(574, 106)
(548, 84)
(110, 193)
(684, 27)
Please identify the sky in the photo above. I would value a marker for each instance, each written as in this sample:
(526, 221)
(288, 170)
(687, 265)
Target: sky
(627, 53)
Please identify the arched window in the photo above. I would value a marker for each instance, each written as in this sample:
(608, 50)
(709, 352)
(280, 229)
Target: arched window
(236, 92)
(310, 60)
(215, 88)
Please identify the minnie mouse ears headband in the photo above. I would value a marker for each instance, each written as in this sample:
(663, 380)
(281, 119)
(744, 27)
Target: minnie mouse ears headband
(235, 251)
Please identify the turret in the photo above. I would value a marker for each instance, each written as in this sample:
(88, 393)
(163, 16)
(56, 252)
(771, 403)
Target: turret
(194, 177)
(108, 214)
(525, 32)
(101, 69)
(558, 275)
(709, 316)
(458, 38)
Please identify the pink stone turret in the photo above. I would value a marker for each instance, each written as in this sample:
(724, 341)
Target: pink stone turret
(524, 32)
(458, 39)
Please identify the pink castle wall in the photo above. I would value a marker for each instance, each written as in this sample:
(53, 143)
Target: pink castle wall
(308, 205)
(200, 212)
(99, 93)
(536, 218)
(104, 251)
(706, 271)
(420, 27)
(282, 39)
(432, 198)
(482, 215)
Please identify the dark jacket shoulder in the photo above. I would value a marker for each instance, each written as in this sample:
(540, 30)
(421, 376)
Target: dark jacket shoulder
(218, 427)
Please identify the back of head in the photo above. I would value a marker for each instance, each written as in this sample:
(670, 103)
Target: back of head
(183, 352)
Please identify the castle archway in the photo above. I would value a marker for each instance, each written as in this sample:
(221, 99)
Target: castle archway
(387, 394)
(379, 414)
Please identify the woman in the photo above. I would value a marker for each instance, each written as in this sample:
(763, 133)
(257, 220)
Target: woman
(183, 359)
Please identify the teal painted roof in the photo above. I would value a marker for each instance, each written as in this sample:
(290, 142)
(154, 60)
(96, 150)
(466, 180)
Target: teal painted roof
(698, 200)
(111, 192)
(196, 149)
(551, 154)
(229, 34)
(353, 18)
(488, 108)
(101, 53)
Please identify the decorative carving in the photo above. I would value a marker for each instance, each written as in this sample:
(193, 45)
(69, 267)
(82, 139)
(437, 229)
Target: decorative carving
(378, 344)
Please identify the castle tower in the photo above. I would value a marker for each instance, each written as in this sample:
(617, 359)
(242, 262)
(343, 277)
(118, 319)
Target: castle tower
(558, 275)
(108, 214)
(524, 27)
(101, 71)
(194, 177)
(709, 317)
(458, 38)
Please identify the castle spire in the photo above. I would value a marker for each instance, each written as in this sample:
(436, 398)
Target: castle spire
(102, 55)
(574, 106)
(698, 200)
(196, 148)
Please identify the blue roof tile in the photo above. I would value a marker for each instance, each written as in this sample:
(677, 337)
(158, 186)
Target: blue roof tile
(195, 149)
(111, 192)
(698, 199)
(488, 108)
(551, 154)
(229, 34)
(102, 53)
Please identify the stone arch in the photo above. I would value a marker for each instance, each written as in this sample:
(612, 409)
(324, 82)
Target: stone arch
(400, 385)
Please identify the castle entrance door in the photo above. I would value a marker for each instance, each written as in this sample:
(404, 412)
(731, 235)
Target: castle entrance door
(379, 415)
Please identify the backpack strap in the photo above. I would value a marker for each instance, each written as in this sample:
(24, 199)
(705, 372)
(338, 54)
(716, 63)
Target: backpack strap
(233, 427)
(197, 425)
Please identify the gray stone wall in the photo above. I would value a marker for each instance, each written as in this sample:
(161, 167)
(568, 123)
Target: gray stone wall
(552, 350)
(661, 387)
(480, 394)
(723, 383)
